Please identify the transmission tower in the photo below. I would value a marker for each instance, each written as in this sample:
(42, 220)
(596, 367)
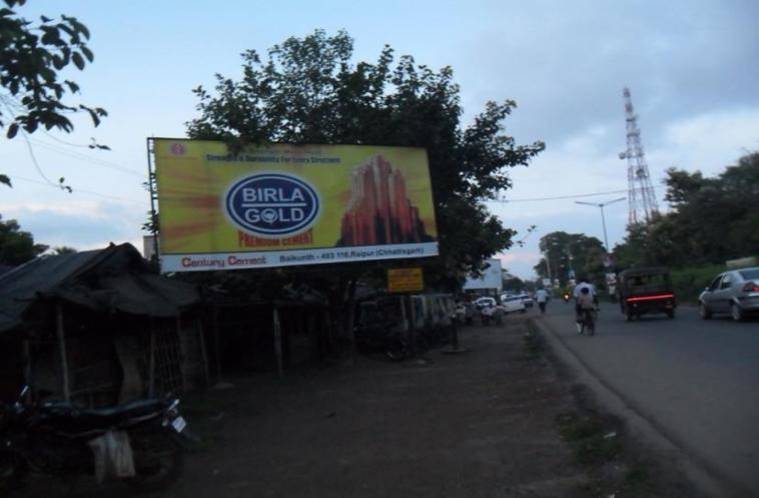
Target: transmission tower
(641, 197)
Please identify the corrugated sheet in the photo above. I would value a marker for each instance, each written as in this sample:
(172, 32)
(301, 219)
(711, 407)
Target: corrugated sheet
(112, 279)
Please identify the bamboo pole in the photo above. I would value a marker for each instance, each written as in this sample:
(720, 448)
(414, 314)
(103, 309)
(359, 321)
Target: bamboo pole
(62, 348)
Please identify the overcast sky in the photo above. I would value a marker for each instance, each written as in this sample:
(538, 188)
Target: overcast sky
(692, 67)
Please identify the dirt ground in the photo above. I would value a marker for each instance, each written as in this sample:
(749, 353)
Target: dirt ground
(481, 424)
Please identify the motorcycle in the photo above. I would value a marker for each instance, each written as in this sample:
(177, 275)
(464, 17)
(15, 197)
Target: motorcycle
(140, 442)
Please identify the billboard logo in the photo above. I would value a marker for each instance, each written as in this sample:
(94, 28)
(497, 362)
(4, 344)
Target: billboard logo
(178, 149)
(272, 204)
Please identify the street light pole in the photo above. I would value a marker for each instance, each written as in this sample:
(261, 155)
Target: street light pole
(602, 205)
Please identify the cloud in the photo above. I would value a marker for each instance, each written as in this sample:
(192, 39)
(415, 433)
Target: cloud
(79, 224)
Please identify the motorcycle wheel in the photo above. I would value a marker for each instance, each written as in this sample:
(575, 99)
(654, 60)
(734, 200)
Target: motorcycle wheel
(158, 462)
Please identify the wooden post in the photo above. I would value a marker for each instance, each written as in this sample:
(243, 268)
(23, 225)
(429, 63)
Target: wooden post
(182, 354)
(27, 353)
(151, 367)
(62, 349)
(412, 325)
(203, 353)
(217, 342)
(277, 340)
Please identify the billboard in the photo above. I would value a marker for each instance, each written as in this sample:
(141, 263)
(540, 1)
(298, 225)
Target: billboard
(491, 278)
(283, 205)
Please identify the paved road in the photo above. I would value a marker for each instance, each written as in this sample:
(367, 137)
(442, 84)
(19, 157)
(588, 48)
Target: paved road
(697, 380)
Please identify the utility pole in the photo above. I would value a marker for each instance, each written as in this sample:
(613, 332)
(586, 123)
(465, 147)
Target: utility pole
(602, 205)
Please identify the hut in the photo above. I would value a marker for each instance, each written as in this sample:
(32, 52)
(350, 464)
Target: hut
(98, 328)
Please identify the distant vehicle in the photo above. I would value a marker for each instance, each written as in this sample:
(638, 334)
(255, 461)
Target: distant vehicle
(484, 302)
(735, 292)
(527, 300)
(512, 304)
(644, 291)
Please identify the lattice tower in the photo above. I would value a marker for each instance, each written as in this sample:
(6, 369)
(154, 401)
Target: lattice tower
(641, 196)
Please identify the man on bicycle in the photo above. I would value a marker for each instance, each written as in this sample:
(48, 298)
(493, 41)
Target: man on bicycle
(541, 296)
(587, 291)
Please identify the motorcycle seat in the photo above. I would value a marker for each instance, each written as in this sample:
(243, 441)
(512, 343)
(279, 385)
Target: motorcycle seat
(71, 419)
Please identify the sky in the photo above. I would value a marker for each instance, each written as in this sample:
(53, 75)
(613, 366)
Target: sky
(692, 68)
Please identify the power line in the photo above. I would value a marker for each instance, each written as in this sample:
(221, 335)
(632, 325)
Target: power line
(77, 190)
(86, 158)
(559, 197)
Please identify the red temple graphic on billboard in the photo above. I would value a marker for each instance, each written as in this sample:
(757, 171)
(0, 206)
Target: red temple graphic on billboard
(379, 211)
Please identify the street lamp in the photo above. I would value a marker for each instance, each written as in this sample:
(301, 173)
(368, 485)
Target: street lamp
(603, 218)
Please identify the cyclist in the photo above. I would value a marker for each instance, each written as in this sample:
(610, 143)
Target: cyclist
(541, 296)
(591, 290)
(586, 303)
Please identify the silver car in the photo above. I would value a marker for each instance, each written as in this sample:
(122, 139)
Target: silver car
(735, 292)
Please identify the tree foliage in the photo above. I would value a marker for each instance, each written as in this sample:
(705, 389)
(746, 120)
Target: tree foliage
(711, 220)
(308, 91)
(32, 57)
(17, 246)
(571, 252)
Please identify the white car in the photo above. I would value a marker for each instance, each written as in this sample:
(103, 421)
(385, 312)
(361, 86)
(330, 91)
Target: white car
(484, 302)
(512, 304)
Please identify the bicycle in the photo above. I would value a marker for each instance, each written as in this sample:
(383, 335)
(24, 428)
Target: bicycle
(588, 321)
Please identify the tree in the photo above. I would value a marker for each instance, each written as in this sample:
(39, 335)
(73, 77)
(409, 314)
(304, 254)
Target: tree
(712, 219)
(571, 252)
(32, 56)
(308, 91)
(63, 250)
(16, 246)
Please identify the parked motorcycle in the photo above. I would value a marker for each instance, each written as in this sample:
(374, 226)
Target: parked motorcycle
(140, 443)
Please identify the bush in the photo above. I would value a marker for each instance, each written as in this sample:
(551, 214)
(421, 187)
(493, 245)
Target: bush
(689, 282)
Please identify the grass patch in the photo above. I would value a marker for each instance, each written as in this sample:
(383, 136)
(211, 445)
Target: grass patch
(593, 442)
(638, 480)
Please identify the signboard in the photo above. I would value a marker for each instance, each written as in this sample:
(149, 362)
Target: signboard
(491, 278)
(282, 205)
(405, 280)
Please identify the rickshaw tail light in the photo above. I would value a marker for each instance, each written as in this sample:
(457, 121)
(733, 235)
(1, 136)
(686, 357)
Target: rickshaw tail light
(650, 298)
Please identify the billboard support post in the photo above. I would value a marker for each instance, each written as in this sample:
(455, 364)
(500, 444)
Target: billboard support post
(153, 215)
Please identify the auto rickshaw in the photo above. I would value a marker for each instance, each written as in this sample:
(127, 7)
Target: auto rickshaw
(645, 291)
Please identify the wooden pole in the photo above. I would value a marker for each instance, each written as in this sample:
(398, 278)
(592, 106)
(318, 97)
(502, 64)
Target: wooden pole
(151, 367)
(182, 355)
(203, 353)
(62, 349)
(27, 352)
(217, 342)
(412, 325)
(277, 340)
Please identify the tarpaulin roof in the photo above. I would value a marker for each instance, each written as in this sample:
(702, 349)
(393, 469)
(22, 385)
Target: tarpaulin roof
(116, 278)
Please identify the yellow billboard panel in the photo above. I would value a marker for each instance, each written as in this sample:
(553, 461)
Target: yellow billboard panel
(282, 205)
